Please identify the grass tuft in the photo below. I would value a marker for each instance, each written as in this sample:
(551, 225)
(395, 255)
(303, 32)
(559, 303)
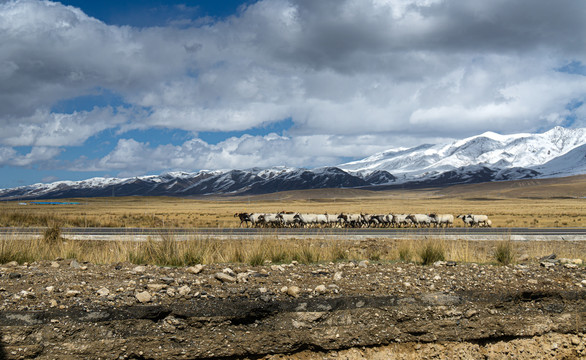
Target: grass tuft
(432, 251)
(505, 252)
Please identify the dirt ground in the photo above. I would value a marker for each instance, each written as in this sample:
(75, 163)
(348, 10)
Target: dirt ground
(64, 309)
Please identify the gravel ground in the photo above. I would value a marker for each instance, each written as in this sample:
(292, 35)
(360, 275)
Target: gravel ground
(349, 310)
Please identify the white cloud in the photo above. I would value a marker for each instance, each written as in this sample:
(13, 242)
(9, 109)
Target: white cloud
(390, 71)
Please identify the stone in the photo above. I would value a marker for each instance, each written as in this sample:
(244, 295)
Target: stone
(72, 293)
(171, 292)
(139, 268)
(577, 261)
(440, 263)
(103, 292)
(53, 303)
(196, 269)
(184, 290)
(74, 264)
(547, 264)
(157, 287)
(143, 297)
(225, 278)
(11, 264)
(50, 289)
(523, 257)
(338, 276)
(14, 276)
(293, 291)
(242, 277)
(229, 272)
(363, 263)
(27, 294)
(55, 264)
(321, 289)
(277, 268)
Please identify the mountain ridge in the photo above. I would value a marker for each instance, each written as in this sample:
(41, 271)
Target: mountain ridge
(481, 158)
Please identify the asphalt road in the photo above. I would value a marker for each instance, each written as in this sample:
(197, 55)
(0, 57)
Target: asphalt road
(573, 234)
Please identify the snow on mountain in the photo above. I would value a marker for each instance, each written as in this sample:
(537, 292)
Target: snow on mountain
(486, 157)
(489, 150)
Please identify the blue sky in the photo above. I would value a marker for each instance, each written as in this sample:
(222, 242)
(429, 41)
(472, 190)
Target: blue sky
(128, 88)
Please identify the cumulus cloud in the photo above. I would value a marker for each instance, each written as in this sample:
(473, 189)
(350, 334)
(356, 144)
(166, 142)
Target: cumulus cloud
(353, 76)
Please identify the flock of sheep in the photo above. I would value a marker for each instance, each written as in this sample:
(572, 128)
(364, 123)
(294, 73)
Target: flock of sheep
(289, 219)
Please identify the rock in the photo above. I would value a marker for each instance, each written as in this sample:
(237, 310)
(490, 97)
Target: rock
(277, 268)
(196, 269)
(55, 264)
(293, 291)
(157, 287)
(11, 264)
(547, 264)
(72, 293)
(242, 277)
(50, 289)
(223, 277)
(53, 303)
(321, 289)
(139, 269)
(74, 264)
(451, 263)
(27, 294)
(338, 276)
(570, 266)
(143, 297)
(363, 263)
(439, 263)
(171, 292)
(262, 290)
(184, 290)
(523, 257)
(14, 276)
(548, 257)
(229, 272)
(577, 261)
(167, 280)
(103, 292)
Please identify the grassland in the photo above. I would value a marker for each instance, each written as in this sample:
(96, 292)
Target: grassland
(526, 203)
(543, 203)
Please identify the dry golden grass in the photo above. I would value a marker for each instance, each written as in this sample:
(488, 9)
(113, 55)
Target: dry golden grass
(166, 251)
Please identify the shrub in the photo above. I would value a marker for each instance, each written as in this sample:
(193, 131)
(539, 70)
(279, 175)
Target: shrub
(505, 252)
(432, 251)
(53, 234)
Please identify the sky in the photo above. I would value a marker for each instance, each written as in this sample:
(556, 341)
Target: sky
(121, 88)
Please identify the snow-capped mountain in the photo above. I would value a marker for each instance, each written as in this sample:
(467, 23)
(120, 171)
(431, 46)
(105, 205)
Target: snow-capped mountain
(498, 153)
(486, 157)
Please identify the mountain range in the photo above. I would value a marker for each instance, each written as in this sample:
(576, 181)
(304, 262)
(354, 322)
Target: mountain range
(558, 152)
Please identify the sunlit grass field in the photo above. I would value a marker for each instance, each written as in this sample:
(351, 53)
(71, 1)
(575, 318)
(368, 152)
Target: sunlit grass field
(219, 212)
